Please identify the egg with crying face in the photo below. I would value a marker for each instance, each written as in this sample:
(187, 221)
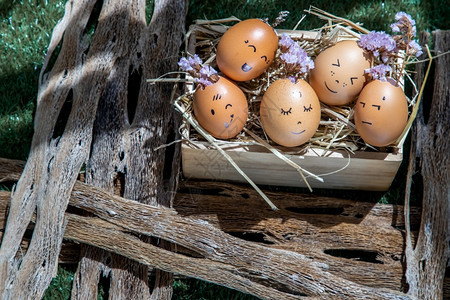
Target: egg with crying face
(381, 113)
(246, 49)
(338, 75)
(221, 108)
(290, 112)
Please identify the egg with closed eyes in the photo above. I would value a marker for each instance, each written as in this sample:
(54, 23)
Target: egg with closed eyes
(290, 112)
(246, 49)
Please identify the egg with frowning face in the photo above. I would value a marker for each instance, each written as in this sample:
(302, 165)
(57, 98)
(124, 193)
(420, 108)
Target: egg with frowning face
(246, 49)
(338, 75)
(290, 112)
(221, 108)
(381, 112)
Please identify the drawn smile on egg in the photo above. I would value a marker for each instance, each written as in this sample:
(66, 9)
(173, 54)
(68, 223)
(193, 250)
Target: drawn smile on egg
(334, 92)
(246, 68)
(299, 132)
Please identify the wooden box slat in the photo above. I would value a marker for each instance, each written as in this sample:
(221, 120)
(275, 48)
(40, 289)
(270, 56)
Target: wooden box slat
(373, 171)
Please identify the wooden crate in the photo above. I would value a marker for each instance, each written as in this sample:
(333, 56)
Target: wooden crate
(372, 171)
(340, 169)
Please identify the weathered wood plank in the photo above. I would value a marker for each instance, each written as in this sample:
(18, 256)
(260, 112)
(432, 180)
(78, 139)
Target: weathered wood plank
(305, 224)
(426, 262)
(237, 209)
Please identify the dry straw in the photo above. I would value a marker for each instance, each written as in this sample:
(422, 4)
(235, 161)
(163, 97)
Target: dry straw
(336, 129)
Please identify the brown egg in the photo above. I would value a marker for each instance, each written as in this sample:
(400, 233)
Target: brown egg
(381, 113)
(246, 49)
(338, 74)
(290, 112)
(221, 108)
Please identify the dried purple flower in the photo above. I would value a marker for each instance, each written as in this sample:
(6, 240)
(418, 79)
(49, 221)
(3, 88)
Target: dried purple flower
(296, 60)
(379, 43)
(184, 64)
(203, 75)
(292, 79)
(195, 61)
(203, 82)
(379, 72)
(414, 49)
(405, 24)
(286, 42)
(280, 19)
(207, 71)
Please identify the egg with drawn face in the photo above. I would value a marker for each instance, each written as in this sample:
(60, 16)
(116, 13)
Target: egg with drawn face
(246, 49)
(290, 112)
(381, 113)
(221, 108)
(338, 75)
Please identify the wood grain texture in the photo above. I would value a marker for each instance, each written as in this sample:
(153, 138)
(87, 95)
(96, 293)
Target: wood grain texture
(364, 240)
(55, 158)
(427, 260)
(106, 51)
(360, 171)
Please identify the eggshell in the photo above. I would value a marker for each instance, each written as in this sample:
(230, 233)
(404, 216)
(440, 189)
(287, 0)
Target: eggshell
(221, 108)
(381, 113)
(290, 112)
(338, 74)
(246, 49)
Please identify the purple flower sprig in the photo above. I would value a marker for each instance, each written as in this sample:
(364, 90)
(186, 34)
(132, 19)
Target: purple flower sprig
(379, 72)
(385, 48)
(281, 18)
(381, 45)
(405, 24)
(203, 75)
(296, 61)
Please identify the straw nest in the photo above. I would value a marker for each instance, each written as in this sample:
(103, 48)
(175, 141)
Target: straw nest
(336, 129)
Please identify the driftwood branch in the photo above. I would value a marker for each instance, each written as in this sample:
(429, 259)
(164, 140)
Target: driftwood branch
(426, 261)
(115, 120)
(361, 243)
(224, 234)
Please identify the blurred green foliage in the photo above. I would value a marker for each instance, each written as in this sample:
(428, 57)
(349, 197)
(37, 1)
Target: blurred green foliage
(25, 30)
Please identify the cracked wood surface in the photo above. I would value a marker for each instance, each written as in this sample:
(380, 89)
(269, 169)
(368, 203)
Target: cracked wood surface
(102, 48)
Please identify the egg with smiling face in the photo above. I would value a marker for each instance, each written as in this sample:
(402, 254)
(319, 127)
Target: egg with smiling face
(338, 75)
(290, 112)
(221, 108)
(246, 49)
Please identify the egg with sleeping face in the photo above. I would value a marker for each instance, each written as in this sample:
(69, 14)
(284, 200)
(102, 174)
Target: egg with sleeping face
(246, 49)
(381, 113)
(290, 112)
(221, 108)
(338, 75)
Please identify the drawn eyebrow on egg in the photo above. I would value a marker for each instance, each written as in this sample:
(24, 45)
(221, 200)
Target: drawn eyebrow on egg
(377, 106)
(338, 63)
(265, 57)
(363, 103)
(353, 78)
(226, 106)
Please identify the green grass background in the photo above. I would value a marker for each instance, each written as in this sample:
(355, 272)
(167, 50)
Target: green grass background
(25, 30)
